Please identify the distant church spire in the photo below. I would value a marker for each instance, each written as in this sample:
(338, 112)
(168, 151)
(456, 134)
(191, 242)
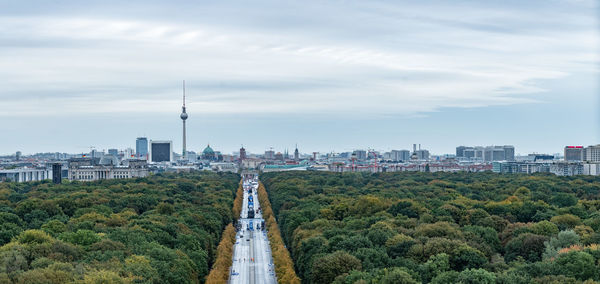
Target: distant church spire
(296, 153)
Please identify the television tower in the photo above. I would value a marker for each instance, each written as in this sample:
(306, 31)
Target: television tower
(183, 116)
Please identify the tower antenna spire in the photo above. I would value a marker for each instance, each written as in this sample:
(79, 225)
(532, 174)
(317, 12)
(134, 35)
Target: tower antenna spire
(183, 117)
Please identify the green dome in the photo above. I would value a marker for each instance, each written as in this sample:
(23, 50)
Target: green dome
(208, 150)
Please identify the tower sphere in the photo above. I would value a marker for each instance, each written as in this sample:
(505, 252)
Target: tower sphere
(184, 116)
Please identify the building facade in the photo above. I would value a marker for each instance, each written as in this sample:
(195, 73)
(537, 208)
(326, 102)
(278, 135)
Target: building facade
(486, 154)
(141, 147)
(422, 155)
(361, 155)
(400, 155)
(574, 153)
(592, 169)
(113, 152)
(25, 174)
(270, 155)
(85, 169)
(161, 151)
(592, 153)
(566, 169)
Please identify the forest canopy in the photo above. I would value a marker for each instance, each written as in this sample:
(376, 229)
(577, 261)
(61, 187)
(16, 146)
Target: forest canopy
(438, 227)
(161, 229)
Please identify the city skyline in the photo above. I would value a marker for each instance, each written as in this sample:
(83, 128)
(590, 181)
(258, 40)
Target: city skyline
(103, 73)
(290, 151)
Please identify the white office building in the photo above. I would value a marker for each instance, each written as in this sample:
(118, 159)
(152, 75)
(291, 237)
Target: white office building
(592, 153)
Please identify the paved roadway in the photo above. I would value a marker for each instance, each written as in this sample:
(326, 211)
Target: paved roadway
(252, 261)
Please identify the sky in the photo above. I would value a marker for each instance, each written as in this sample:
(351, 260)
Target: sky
(329, 76)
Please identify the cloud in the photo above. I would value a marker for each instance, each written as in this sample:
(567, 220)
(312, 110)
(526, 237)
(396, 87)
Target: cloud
(381, 58)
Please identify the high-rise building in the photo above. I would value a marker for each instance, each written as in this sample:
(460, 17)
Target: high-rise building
(493, 153)
(56, 173)
(18, 156)
(499, 153)
(592, 153)
(422, 154)
(574, 153)
(487, 154)
(404, 155)
(460, 151)
(469, 153)
(400, 155)
(184, 117)
(113, 152)
(479, 153)
(161, 151)
(141, 147)
(509, 152)
(419, 154)
(361, 155)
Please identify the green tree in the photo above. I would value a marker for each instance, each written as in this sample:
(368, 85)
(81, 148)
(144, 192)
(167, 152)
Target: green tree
(436, 265)
(399, 245)
(476, 276)
(544, 228)
(13, 260)
(81, 237)
(328, 267)
(371, 258)
(140, 267)
(54, 227)
(580, 265)
(446, 277)
(467, 257)
(529, 246)
(397, 275)
(566, 221)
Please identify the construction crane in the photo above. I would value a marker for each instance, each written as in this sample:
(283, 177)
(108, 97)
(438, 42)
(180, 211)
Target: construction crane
(374, 155)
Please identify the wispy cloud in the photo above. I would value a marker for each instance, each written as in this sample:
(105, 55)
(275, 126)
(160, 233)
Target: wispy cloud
(374, 58)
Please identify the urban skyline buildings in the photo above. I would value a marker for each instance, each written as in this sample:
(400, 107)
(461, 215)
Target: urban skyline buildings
(485, 154)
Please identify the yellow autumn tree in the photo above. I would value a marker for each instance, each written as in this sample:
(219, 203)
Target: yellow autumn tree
(284, 266)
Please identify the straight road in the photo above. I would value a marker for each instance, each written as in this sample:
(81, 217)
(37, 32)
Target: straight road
(252, 261)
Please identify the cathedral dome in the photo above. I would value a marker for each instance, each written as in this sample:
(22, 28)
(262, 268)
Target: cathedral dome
(208, 151)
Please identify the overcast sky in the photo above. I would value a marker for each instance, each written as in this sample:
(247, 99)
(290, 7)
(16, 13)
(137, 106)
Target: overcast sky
(328, 75)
